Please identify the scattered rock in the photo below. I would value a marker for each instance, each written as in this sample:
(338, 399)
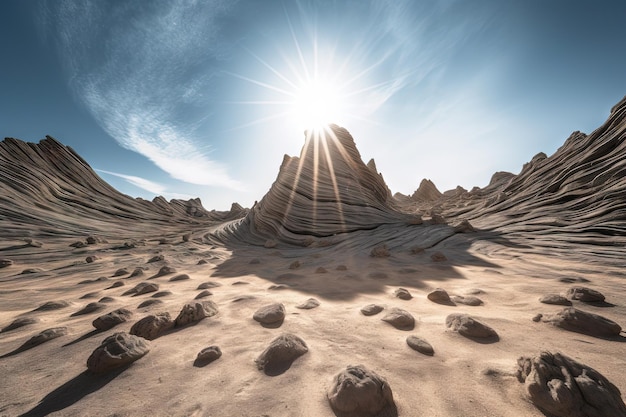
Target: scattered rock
(5, 262)
(186, 237)
(152, 326)
(120, 272)
(321, 270)
(469, 327)
(580, 321)
(142, 288)
(149, 302)
(52, 305)
(42, 337)
(28, 271)
(400, 319)
(112, 319)
(561, 387)
(92, 240)
(372, 309)
(420, 345)
(89, 308)
(403, 294)
(281, 353)
(270, 243)
(555, 299)
(106, 300)
(378, 275)
(236, 283)
(469, 300)
(116, 284)
(537, 318)
(380, 252)
(33, 243)
(195, 311)
(209, 284)
(162, 294)
(254, 261)
(342, 268)
(440, 296)
(571, 280)
(207, 355)
(117, 350)
(19, 322)
(417, 250)
(202, 262)
(358, 392)
(91, 259)
(180, 277)
(438, 257)
(308, 304)
(156, 258)
(272, 314)
(137, 272)
(203, 294)
(294, 265)
(78, 244)
(585, 294)
(277, 287)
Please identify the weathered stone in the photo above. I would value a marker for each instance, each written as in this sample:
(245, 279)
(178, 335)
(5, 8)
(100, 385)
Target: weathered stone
(5, 262)
(308, 304)
(149, 302)
(112, 319)
(372, 309)
(380, 252)
(195, 311)
(207, 355)
(358, 392)
(52, 305)
(91, 259)
(142, 288)
(585, 294)
(137, 272)
(294, 265)
(469, 327)
(116, 284)
(400, 319)
(438, 257)
(90, 308)
(555, 299)
(420, 345)
(156, 258)
(440, 296)
(270, 314)
(43, 337)
(152, 326)
(203, 294)
(580, 321)
(162, 294)
(469, 300)
(19, 322)
(281, 353)
(403, 294)
(120, 272)
(209, 284)
(561, 387)
(117, 350)
(180, 277)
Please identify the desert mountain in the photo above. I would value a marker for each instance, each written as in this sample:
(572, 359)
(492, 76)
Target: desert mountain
(49, 186)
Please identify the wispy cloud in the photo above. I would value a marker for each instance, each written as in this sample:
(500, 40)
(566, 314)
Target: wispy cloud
(142, 183)
(142, 70)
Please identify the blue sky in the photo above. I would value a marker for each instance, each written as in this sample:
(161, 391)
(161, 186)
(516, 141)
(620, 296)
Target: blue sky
(203, 98)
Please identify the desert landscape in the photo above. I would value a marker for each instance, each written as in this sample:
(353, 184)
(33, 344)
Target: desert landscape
(329, 297)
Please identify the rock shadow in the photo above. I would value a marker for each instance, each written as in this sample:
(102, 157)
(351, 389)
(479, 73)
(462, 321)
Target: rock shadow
(72, 391)
(84, 337)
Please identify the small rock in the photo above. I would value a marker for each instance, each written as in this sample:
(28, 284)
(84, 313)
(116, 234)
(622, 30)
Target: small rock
(203, 294)
(90, 308)
(358, 392)
(254, 261)
(149, 302)
(52, 305)
(19, 322)
(106, 300)
(537, 318)
(342, 268)
(308, 304)
(469, 327)
(270, 244)
(43, 337)
(91, 259)
(33, 243)
(92, 240)
(380, 252)
(270, 314)
(321, 270)
(142, 288)
(78, 244)
(160, 294)
(281, 353)
(561, 387)
(277, 287)
(186, 237)
(402, 294)
(440, 296)
(112, 319)
(195, 311)
(115, 351)
(116, 284)
(202, 262)
(585, 294)
(120, 272)
(165, 270)
(438, 257)
(156, 258)
(469, 300)
(372, 309)
(294, 265)
(580, 321)
(420, 345)
(417, 250)
(207, 355)
(137, 272)
(400, 319)
(209, 284)
(555, 299)
(28, 271)
(180, 277)
(5, 262)
(152, 326)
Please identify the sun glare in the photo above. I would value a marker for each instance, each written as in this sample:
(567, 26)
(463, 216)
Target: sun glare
(317, 104)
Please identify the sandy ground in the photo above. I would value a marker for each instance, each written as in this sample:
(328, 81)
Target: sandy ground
(463, 378)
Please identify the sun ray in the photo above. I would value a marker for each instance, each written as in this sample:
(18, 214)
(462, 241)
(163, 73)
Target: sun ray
(333, 178)
(297, 45)
(261, 84)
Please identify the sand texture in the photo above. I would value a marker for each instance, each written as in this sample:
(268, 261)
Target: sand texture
(329, 297)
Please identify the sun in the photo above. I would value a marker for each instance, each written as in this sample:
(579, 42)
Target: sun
(317, 104)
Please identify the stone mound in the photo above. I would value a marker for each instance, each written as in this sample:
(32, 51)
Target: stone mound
(19, 322)
(112, 319)
(195, 311)
(90, 308)
(271, 314)
(52, 305)
(421, 345)
(115, 351)
(152, 326)
(203, 294)
(403, 294)
(207, 355)
(555, 299)
(372, 309)
(358, 392)
(580, 321)
(561, 387)
(468, 300)
(585, 294)
(469, 327)
(142, 288)
(400, 319)
(43, 337)
(281, 353)
(308, 304)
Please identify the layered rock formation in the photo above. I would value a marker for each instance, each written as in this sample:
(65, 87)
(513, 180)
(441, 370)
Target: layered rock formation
(46, 188)
(326, 191)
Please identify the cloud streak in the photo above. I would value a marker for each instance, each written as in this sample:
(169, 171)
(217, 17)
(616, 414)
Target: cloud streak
(142, 69)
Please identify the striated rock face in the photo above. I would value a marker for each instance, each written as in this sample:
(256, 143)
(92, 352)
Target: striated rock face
(47, 184)
(326, 191)
(427, 191)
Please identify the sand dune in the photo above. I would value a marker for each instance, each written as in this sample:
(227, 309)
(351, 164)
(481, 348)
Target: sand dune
(329, 297)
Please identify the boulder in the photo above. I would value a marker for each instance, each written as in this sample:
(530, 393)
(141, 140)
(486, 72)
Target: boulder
(580, 321)
(400, 319)
(585, 294)
(418, 344)
(281, 353)
(440, 296)
(467, 326)
(372, 309)
(207, 355)
(403, 294)
(195, 311)
(152, 326)
(561, 387)
(555, 299)
(142, 288)
(358, 392)
(270, 314)
(115, 351)
(112, 319)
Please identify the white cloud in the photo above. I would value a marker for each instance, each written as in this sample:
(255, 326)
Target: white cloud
(142, 183)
